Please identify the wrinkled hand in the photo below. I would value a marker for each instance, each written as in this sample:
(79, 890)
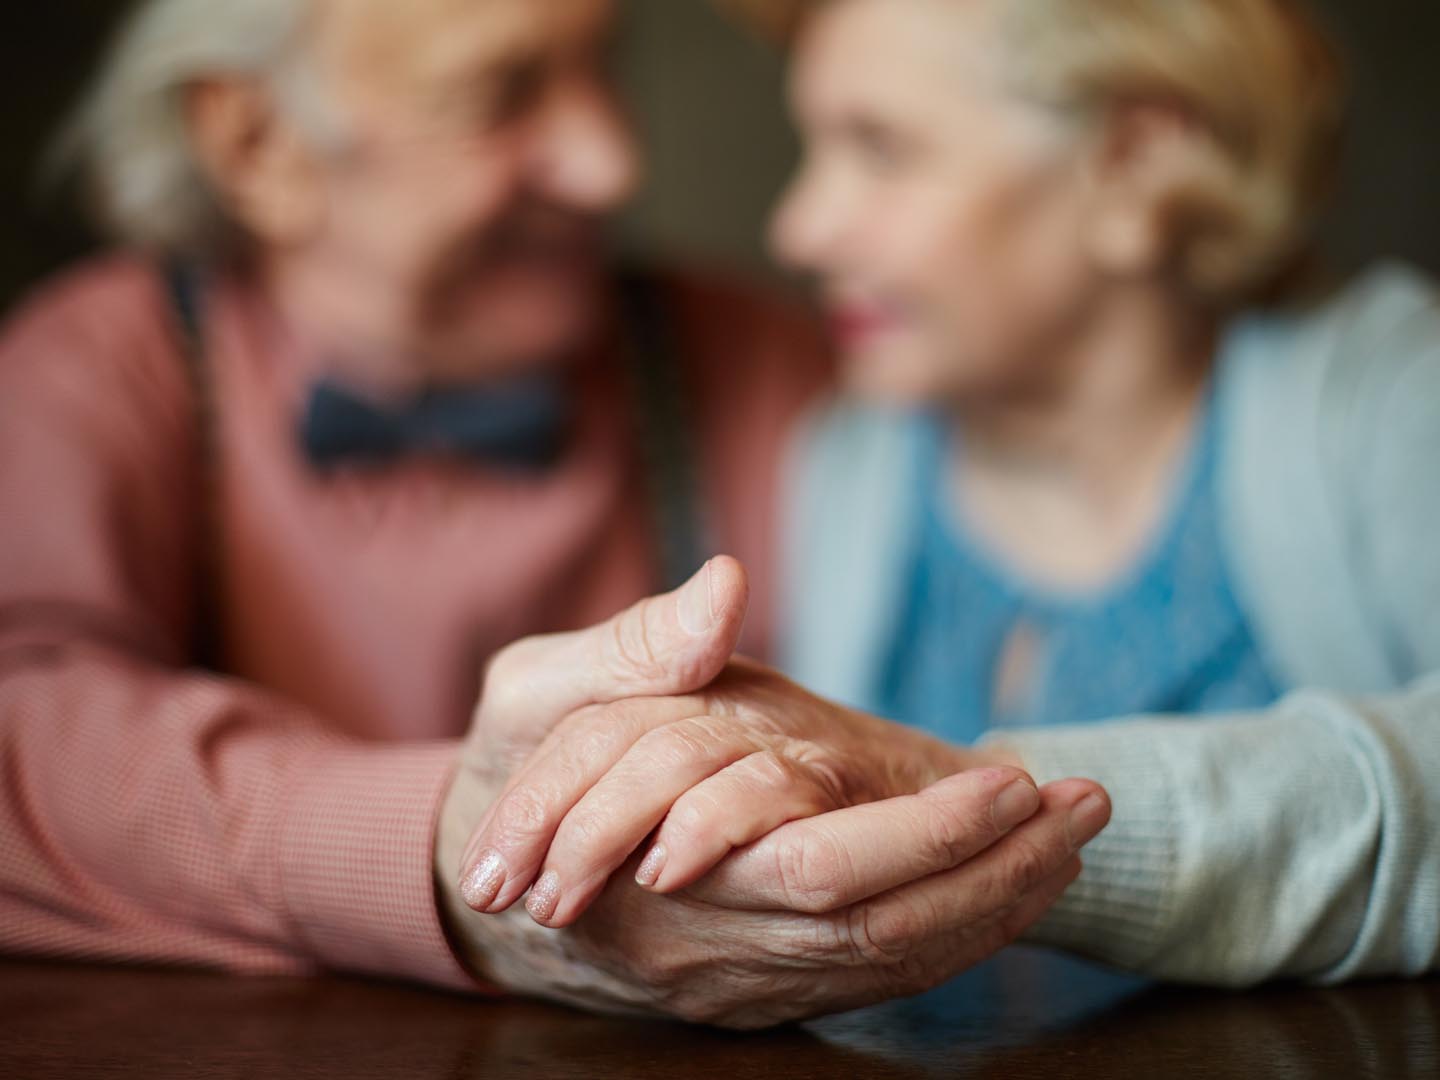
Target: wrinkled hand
(693, 957)
(713, 772)
(708, 954)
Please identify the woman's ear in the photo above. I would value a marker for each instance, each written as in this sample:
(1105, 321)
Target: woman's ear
(261, 170)
(1145, 154)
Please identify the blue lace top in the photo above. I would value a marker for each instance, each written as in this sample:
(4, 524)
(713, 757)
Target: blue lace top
(1167, 637)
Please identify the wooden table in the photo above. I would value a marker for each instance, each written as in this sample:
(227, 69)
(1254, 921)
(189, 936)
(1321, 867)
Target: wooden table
(1024, 1015)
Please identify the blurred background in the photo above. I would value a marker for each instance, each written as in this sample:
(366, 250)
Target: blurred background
(707, 99)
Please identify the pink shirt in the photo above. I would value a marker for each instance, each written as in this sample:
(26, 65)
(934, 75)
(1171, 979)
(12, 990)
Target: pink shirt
(281, 818)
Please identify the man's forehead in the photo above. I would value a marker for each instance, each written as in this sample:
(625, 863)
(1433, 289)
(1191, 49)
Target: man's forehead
(441, 36)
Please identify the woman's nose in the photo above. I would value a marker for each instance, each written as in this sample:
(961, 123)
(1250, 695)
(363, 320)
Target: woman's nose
(805, 224)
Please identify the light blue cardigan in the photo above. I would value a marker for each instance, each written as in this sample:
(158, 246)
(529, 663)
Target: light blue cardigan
(1301, 840)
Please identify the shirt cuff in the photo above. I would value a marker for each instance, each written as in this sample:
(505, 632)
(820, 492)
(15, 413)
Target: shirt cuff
(357, 861)
(1118, 910)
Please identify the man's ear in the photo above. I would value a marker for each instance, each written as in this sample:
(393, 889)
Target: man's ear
(1143, 157)
(264, 174)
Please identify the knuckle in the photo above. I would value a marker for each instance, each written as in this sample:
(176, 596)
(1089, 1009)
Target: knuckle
(949, 832)
(672, 972)
(679, 744)
(522, 815)
(633, 650)
(500, 692)
(878, 935)
(502, 666)
(1026, 865)
(582, 831)
(690, 817)
(812, 874)
(767, 769)
(511, 671)
(833, 786)
(805, 788)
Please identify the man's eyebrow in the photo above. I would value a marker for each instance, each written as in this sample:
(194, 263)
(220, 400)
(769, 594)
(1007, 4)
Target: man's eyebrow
(467, 56)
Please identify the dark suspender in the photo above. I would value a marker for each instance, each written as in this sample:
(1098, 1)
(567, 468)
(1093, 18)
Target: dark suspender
(658, 377)
(657, 372)
(185, 288)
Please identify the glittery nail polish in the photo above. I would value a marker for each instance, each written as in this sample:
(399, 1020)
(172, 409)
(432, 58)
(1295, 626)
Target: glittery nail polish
(650, 868)
(482, 882)
(544, 897)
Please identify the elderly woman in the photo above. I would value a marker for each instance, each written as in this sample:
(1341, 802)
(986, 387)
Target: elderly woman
(1109, 450)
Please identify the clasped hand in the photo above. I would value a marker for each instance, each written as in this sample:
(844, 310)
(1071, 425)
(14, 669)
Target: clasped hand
(815, 857)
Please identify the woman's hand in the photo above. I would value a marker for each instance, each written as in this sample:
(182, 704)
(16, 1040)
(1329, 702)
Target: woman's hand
(824, 913)
(714, 772)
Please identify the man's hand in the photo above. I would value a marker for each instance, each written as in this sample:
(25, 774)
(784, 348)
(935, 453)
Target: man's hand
(713, 772)
(671, 644)
(695, 957)
(704, 955)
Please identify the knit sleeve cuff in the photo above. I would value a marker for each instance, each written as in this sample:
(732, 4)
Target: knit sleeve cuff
(1118, 909)
(357, 877)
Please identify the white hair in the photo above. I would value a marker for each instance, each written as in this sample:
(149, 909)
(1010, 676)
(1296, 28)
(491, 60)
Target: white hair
(128, 142)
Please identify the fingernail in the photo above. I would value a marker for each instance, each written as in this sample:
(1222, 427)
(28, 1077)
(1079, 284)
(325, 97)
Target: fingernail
(482, 882)
(1089, 816)
(1016, 804)
(544, 897)
(695, 610)
(650, 867)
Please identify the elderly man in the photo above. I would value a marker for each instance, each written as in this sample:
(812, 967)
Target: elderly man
(354, 413)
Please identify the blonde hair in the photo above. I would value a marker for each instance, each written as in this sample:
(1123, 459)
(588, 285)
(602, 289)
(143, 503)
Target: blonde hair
(1257, 76)
(128, 143)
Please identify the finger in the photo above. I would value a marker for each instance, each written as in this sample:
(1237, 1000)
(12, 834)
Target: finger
(943, 919)
(837, 859)
(509, 844)
(1073, 812)
(890, 947)
(611, 819)
(1000, 878)
(736, 806)
(1038, 902)
(670, 644)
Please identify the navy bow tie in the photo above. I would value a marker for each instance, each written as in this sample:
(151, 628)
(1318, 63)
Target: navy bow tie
(521, 423)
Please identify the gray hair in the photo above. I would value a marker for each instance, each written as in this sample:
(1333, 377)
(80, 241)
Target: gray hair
(128, 143)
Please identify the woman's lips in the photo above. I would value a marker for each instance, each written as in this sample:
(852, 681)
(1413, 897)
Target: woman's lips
(856, 324)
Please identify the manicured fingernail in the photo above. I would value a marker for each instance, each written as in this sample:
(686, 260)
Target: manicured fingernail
(695, 610)
(481, 883)
(1089, 816)
(544, 897)
(1016, 804)
(650, 866)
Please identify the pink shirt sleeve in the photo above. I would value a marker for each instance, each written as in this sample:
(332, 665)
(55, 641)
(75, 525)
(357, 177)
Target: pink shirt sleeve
(150, 813)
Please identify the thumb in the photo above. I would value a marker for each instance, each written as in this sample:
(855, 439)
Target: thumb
(671, 644)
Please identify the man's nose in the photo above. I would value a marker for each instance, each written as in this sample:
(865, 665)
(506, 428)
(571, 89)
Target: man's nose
(585, 155)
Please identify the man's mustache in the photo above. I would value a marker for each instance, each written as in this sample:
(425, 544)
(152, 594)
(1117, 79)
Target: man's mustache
(537, 233)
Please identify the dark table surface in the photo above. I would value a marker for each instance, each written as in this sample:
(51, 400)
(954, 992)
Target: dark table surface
(1024, 1015)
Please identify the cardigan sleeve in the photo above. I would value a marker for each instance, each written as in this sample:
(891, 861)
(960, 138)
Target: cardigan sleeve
(1302, 841)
